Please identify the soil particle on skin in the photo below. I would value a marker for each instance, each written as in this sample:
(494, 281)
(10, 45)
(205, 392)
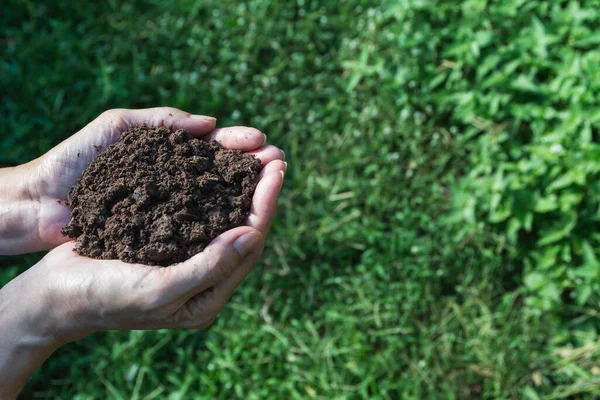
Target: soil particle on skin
(158, 197)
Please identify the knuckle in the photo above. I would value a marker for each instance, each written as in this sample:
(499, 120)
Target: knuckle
(199, 317)
(169, 110)
(152, 302)
(172, 109)
(146, 304)
(113, 113)
(222, 267)
(209, 307)
(115, 117)
(151, 293)
(176, 318)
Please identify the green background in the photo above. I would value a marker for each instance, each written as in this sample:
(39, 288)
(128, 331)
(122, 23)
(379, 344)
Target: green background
(437, 235)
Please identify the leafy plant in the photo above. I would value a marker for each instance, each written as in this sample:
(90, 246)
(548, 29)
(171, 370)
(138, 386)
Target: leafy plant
(437, 234)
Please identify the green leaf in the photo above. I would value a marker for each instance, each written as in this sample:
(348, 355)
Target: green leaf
(562, 182)
(589, 256)
(561, 230)
(501, 213)
(583, 294)
(535, 281)
(588, 271)
(590, 39)
(529, 393)
(546, 204)
(437, 80)
(569, 201)
(525, 84)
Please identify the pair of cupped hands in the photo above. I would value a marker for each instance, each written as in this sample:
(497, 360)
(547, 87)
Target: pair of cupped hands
(71, 296)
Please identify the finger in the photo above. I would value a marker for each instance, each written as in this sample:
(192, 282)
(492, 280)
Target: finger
(209, 267)
(81, 148)
(264, 201)
(271, 167)
(238, 138)
(268, 153)
(196, 125)
(223, 291)
(204, 307)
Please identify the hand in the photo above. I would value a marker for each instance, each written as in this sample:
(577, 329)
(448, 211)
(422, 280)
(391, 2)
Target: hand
(66, 297)
(88, 295)
(33, 220)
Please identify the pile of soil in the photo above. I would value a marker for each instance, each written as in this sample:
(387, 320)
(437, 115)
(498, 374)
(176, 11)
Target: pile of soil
(158, 197)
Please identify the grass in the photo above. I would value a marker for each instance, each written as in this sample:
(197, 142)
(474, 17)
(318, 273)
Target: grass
(401, 263)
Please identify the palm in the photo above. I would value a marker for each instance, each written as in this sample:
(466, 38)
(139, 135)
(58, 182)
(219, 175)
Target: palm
(65, 163)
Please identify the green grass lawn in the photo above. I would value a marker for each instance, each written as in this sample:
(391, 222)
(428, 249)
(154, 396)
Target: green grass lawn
(437, 235)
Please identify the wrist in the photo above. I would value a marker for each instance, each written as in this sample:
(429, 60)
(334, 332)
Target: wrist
(19, 209)
(27, 304)
(28, 334)
(66, 314)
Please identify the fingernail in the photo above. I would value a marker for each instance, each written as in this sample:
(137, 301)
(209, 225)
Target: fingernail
(203, 118)
(283, 153)
(282, 174)
(247, 242)
(264, 139)
(285, 169)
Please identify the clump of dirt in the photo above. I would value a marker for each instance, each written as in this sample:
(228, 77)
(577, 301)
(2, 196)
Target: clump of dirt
(158, 197)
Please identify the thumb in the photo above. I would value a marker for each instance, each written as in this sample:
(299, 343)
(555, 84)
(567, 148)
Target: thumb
(73, 155)
(218, 260)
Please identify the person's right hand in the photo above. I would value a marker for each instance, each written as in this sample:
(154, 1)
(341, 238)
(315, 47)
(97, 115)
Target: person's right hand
(66, 296)
(88, 295)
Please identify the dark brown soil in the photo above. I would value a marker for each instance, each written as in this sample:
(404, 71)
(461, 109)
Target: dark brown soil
(158, 197)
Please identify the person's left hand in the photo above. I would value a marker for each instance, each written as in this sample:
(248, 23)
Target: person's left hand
(53, 174)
